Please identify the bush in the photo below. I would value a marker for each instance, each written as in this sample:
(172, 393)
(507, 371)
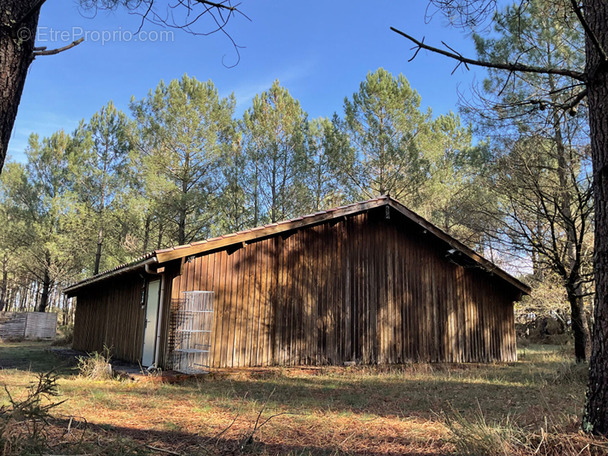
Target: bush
(66, 336)
(23, 422)
(27, 427)
(96, 365)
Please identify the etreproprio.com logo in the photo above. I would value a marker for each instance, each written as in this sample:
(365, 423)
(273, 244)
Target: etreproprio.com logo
(52, 35)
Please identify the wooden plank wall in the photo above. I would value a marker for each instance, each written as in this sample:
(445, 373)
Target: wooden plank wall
(360, 289)
(28, 325)
(41, 325)
(111, 314)
(12, 325)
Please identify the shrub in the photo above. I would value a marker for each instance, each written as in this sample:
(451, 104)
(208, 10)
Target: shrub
(23, 422)
(66, 336)
(96, 365)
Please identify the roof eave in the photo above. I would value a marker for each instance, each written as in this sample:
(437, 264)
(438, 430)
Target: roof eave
(275, 228)
(72, 289)
(166, 255)
(487, 265)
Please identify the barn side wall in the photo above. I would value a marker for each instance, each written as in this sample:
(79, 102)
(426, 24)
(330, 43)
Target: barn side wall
(360, 289)
(111, 314)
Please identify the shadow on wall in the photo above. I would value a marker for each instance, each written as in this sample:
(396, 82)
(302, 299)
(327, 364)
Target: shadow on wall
(352, 290)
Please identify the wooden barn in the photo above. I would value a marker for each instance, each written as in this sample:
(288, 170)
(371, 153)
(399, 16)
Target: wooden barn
(370, 282)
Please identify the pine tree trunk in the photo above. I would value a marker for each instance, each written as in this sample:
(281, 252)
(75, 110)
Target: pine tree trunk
(4, 289)
(273, 193)
(596, 412)
(9, 300)
(573, 261)
(24, 298)
(16, 55)
(98, 253)
(146, 235)
(44, 298)
(102, 208)
(181, 227)
(159, 244)
(580, 328)
(256, 202)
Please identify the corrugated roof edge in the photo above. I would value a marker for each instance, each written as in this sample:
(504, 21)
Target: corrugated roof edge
(120, 269)
(455, 243)
(180, 251)
(204, 245)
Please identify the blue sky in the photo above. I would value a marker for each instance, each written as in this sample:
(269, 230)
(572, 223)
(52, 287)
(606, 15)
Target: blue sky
(320, 51)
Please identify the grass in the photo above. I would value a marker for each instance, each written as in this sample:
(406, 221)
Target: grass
(96, 366)
(519, 408)
(28, 356)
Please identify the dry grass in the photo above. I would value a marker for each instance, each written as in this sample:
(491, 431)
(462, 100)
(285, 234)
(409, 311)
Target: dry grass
(534, 404)
(96, 366)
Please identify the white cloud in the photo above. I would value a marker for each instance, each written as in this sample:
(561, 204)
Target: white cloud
(246, 92)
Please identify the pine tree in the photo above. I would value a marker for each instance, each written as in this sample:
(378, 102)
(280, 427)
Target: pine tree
(40, 198)
(185, 129)
(558, 198)
(384, 126)
(274, 131)
(102, 171)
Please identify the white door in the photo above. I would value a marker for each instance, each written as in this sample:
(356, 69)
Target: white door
(152, 301)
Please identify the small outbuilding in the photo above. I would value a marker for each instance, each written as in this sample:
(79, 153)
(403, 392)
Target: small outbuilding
(370, 282)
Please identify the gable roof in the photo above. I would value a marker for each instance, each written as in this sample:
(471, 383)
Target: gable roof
(195, 248)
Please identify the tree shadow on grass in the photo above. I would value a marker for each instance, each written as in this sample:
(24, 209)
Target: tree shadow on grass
(495, 391)
(393, 396)
(106, 438)
(30, 356)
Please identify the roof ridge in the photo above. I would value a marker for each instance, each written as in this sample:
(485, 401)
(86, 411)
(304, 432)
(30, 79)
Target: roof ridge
(272, 224)
(263, 231)
(156, 252)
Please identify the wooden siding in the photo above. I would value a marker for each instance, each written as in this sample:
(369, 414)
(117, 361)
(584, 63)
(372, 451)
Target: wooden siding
(359, 288)
(12, 325)
(28, 325)
(41, 325)
(111, 314)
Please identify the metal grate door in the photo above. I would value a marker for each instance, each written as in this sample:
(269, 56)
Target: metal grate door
(193, 326)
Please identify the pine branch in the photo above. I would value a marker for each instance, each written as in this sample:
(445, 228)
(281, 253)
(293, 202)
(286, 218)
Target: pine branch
(43, 51)
(218, 5)
(512, 67)
(579, 14)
